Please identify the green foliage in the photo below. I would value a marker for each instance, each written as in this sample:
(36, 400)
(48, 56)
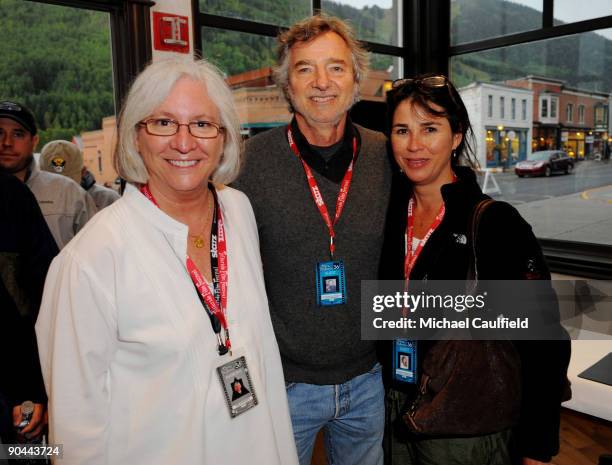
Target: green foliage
(56, 61)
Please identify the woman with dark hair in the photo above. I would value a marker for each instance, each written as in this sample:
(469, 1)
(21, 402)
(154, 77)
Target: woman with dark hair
(503, 407)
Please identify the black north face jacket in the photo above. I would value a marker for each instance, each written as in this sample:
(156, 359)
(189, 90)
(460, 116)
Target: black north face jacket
(507, 250)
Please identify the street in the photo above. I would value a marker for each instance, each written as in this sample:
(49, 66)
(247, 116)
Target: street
(574, 207)
(587, 175)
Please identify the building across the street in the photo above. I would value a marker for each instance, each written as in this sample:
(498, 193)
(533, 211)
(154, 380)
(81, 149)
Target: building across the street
(566, 118)
(502, 120)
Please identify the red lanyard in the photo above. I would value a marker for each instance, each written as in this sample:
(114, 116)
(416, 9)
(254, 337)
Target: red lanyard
(411, 257)
(316, 193)
(216, 304)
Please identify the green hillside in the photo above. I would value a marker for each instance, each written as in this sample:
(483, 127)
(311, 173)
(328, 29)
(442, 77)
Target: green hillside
(56, 61)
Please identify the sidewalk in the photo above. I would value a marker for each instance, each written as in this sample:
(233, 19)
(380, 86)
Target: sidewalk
(582, 217)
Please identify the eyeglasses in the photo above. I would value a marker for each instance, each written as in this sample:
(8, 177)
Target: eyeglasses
(429, 82)
(169, 127)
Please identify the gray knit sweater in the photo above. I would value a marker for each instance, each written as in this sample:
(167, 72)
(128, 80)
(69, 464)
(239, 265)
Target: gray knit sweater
(318, 345)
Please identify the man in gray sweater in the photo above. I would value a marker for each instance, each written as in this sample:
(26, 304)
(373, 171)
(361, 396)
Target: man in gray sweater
(319, 188)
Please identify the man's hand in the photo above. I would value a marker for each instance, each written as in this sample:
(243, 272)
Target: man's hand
(37, 424)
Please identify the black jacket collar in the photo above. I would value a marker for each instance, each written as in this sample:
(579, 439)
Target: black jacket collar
(336, 167)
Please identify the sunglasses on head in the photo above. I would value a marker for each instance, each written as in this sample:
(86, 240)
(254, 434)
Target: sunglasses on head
(429, 82)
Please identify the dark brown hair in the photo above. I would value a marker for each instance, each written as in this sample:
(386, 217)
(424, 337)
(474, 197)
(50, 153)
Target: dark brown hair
(445, 97)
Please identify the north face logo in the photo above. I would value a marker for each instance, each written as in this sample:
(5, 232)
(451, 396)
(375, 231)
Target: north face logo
(460, 238)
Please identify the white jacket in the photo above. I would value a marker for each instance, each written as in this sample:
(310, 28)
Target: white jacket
(129, 356)
(64, 204)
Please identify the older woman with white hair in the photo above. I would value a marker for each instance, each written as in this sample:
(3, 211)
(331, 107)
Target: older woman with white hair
(155, 311)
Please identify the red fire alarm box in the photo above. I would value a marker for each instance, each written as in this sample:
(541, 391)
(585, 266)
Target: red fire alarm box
(170, 32)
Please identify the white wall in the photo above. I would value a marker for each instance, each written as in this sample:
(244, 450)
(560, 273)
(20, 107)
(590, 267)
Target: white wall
(473, 102)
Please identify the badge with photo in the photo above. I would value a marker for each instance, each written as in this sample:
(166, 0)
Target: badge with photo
(405, 361)
(237, 386)
(331, 283)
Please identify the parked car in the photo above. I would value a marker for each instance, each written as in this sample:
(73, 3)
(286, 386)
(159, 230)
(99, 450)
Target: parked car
(544, 163)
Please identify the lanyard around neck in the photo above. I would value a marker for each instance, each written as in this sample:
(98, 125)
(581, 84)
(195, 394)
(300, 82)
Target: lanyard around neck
(215, 305)
(410, 256)
(316, 192)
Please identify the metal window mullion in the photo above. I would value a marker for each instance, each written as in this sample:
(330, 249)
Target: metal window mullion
(533, 36)
(239, 25)
(547, 13)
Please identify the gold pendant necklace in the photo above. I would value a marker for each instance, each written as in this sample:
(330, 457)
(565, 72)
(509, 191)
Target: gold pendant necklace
(198, 242)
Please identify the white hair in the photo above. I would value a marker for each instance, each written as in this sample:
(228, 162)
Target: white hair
(150, 89)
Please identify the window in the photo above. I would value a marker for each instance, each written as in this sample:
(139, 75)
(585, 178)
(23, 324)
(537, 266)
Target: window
(581, 114)
(240, 38)
(570, 11)
(544, 108)
(513, 108)
(64, 73)
(375, 21)
(548, 107)
(266, 11)
(490, 107)
(601, 116)
(503, 17)
(502, 107)
(565, 73)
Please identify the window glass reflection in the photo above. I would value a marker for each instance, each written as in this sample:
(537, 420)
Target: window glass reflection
(564, 88)
(373, 20)
(473, 20)
(281, 12)
(566, 11)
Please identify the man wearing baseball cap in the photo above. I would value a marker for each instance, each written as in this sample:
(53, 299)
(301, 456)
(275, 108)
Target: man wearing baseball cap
(63, 157)
(64, 204)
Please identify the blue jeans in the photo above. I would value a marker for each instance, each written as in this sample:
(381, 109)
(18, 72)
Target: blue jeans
(352, 415)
